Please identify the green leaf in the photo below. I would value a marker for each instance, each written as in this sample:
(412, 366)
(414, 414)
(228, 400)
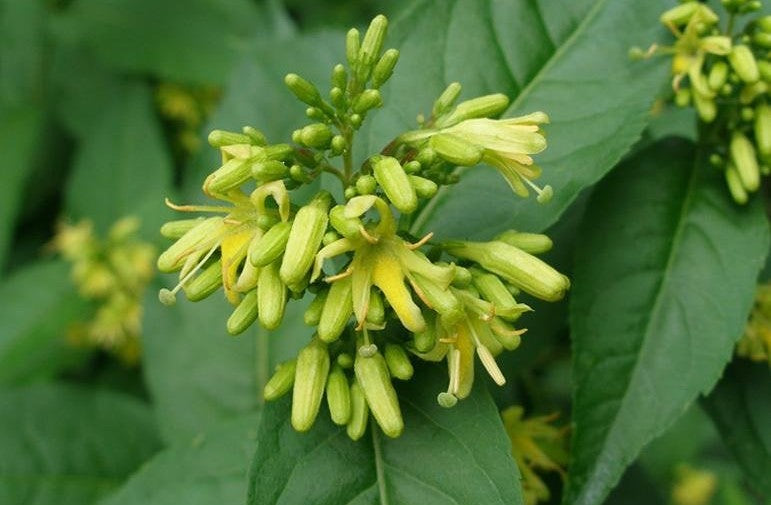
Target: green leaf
(64, 445)
(122, 167)
(210, 469)
(22, 53)
(19, 133)
(194, 41)
(198, 374)
(36, 305)
(664, 279)
(739, 407)
(445, 456)
(569, 59)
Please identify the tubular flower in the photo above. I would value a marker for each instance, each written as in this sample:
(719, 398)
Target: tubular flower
(505, 144)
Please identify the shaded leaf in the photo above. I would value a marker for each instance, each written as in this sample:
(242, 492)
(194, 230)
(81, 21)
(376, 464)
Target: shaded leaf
(210, 469)
(445, 456)
(740, 408)
(37, 303)
(64, 445)
(664, 278)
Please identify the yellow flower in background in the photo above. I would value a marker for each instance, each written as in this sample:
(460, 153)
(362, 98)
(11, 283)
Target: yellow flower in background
(693, 486)
(113, 273)
(755, 344)
(537, 446)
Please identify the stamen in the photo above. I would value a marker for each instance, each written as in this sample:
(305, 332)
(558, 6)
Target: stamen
(169, 296)
(197, 208)
(342, 275)
(369, 238)
(421, 242)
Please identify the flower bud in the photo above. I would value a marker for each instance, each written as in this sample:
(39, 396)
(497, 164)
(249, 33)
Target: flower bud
(373, 42)
(762, 39)
(764, 23)
(455, 149)
(281, 381)
(745, 161)
(199, 236)
(515, 266)
(337, 310)
(302, 89)
(440, 300)
(683, 97)
(309, 382)
(533, 243)
(312, 314)
(338, 396)
(268, 170)
(398, 362)
(424, 188)
(305, 236)
(705, 107)
(763, 129)
(248, 278)
(352, 47)
(483, 106)
(679, 15)
(271, 299)
(348, 227)
(244, 314)
(384, 67)
(339, 76)
(446, 99)
(718, 75)
(357, 426)
(270, 246)
(316, 135)
(372, 375)
(176, 229)
(743, 62)
(206, 283)
(506, 335)
(368, 99)
(735, 185)
(338, 144)
(366, 185)
(412, 167)
(396, 185)
(494, 291)
(256, 136)
(222, 138)
(230, 175)
(280, 152)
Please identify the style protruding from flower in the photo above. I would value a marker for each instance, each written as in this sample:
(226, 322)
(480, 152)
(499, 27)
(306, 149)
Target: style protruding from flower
(381, 296)
(112, 273)
(726, 75)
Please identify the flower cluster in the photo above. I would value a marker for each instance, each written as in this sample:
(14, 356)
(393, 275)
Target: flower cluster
(113, 273)
(755, 344)
(381, 298)
(536, 445)
(726, 76)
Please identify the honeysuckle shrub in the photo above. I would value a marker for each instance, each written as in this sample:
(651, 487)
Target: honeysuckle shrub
(464, 252)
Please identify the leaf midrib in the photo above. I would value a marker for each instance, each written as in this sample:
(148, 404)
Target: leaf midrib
(428, 210)
(654, 316)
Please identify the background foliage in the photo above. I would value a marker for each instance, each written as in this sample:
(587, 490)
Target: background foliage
(664, 266)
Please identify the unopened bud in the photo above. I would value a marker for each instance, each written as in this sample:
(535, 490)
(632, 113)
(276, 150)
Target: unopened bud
(745, 161)
(396, 185)
(764, 23)
(339, 76)
(337, 310)
(533, 243)
(376, 310)
(763, 129)
(718, 75)
(229, 176)
(309, 383)
(357, 426)
(345, 226)
(368, 99)
(440, 300)
(373, 42)
(312, 314)
(270, 246)
(762, 39)
(372, 375)
(366, 185)
(506, 335)
(271, 299)
(446, 99)
(352, 47)
(494, 291)
(384, 67)
(258, 138)
(305, 236)
(221, 138)
(338, 144)
(483, 106)
(176, 229)
(424, 188)
(398, 362)
(355, 120)
(705, 107)
(743, 63)
(304, 90)
(764, 68)
(455, 149)
(735, 186)
(338, 396)
(205, 283)
(281, 381)
(244, 314)
(316, 135)
(412, 167)
(681, 14)
(269, 170)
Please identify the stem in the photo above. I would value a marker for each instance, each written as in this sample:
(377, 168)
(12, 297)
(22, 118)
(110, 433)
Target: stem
(262, 362)
(381, 484)
(730, 25)
(348, 156)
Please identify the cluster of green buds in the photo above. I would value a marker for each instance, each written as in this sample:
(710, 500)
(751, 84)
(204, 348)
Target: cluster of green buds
(113, 274)
(185, 108)
(379, 297)
(537, 445)
(726, 76)
(755, 344)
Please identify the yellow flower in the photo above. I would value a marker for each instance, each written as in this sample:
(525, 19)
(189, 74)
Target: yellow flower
(755, 344)
(693, 486)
